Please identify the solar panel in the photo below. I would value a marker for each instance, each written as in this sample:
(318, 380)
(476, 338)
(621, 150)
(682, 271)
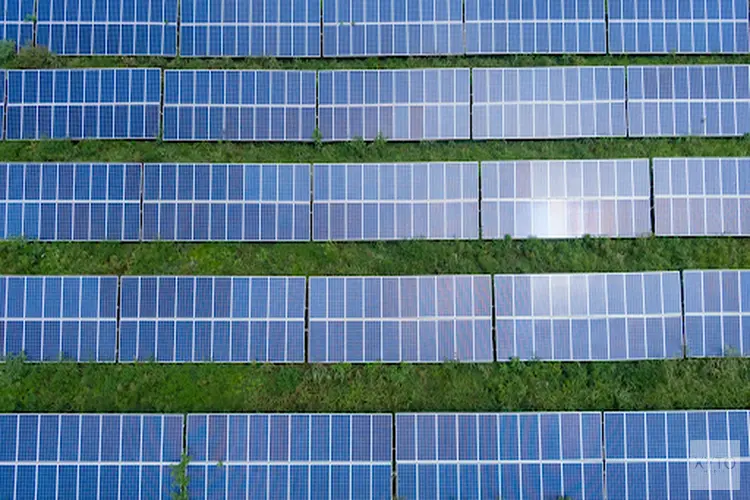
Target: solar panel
(191, 202)
(688, 100)
(234, 105)
(717, 313)
(669, 27)
(48, 318)
(677, 454)
(589, 317)
(67, 202)
(542, 26)
(396, 201)
(539, 103)
(340, 456)
(702, 196)
(400, 105)
(424, 319)
(89, 456)
(499, 455)
(242, 28)
(17, 22)
(193, 319)
(108, 27)
(363, 28)
(84, 104)
(565, 199)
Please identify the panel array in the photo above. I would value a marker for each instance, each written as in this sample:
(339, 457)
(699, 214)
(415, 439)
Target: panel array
(290, 456)
(48, 318)
(64, 202)
(677, 454)
(717, 313)
(585, 317)
(539, 27)
(702, 196)
(396, 201)
(564, 199)
(506, 455)
(188, 202)
(89, 456)
(669, 27)
(194, 319)
(401, 105)
(242, 28)
(400, 319)
(688, 100)
(538, 103)
(215, 105)
(16, 22)
(84, 104)
(362, 28)
(108, 27)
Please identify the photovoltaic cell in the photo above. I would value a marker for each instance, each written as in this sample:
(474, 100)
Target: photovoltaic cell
(677, 454)
(17, 23)
(242, 28)
(224, 319)
(707, 100)
(364, 28)
(342, 456)
(566, 199)
(541, 26)
(188, 202)
(400, 105)
(499, 455)
(702, 196)
(70, 202)
(543, 103)
(400, 319)
(717, 313)
(396, 201)
(688, 26)
(108, 27)
(235, 105)
(589, 317)
(48, 318)
(84, 104)
(89, 456)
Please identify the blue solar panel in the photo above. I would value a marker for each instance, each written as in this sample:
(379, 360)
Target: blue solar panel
(587, 317)
(702, 196)
(565, 199)
(508, 455)
(84, 104)
(296, 456)
(541, 26)
(400, 105)
(688, 100)
(539, 103)
(48, 318)
(424, 319)
(89, 456)
(193, 319)
(214, 105)
(188, 202)
(363, 28)
(241, 28)
(65, 202)
(108, 27)
(687, 26)
(677, 454)
(396, 201)
(17, 22)
(717, 313)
